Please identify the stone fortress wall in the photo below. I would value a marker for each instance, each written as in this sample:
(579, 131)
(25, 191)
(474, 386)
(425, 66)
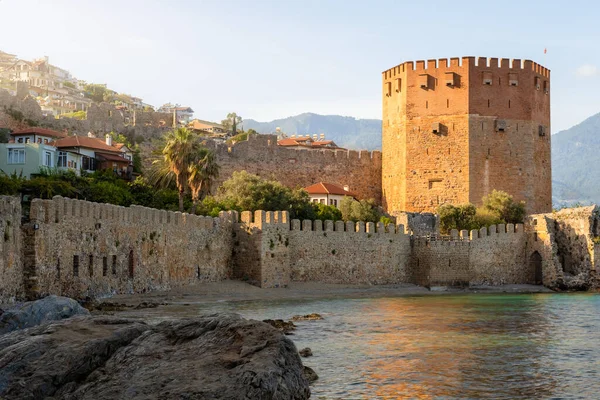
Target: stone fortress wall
(78, 248)
(453, 130)
(260, 155)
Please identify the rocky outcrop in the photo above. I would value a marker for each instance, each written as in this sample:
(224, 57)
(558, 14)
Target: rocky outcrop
(220, 356)
(32, 313)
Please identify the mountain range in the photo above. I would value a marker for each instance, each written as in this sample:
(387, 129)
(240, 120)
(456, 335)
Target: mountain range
(575, 151)
(348, 132)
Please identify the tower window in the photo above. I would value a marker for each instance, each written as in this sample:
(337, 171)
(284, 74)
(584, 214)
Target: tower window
(513, 79)
(487, 78)
(398, 85)
(388, 89)
(546, 87)
(537, 83)
(424, 81)
(451, 79)
(500, 125)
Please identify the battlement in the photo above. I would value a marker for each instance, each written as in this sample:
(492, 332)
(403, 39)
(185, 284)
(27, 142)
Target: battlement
(260, 218)
(257, 143)
(465, 236)
(62, 209)
(465, 63)
(348, 226)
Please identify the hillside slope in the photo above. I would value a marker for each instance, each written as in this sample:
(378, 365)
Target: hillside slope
(348, 132)
(576, 163)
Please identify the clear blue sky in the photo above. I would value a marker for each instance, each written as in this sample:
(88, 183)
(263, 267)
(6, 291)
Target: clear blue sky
(272, 59)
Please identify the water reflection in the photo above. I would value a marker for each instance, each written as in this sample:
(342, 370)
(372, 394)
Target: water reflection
(472, 346)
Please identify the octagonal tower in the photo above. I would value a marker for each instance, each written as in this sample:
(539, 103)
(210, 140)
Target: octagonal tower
(454, 130)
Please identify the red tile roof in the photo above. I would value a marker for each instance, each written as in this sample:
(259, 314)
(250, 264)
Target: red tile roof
(112, 157)
(40, 131)
(288, 142)
(327, 188)
(87, 142)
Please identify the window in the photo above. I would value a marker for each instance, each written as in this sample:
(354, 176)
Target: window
(487, 77)
(62, 159)
(388, 89)
(333, 202)
(513, 79)
(45, 141)
(27, 140)
(20, 140)
(16, 156)
(47, 159)
(39, 140)
(424, 81)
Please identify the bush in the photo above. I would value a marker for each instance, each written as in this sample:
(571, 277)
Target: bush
(504, 207)
(248, 192)
(456, 217)
(325, 212)
(363, 210)
(108, 192)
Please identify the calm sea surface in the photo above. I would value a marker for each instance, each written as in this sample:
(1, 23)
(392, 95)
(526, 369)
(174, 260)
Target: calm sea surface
(539, 346)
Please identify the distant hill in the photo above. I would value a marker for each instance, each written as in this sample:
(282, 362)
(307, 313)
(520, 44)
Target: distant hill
(576, 163)
(348, 132)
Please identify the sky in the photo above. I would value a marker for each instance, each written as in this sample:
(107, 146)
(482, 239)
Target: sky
(272, 59)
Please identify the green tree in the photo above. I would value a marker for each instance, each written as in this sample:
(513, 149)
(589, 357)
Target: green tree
(201, 175)
(363, 210)
(231, 122)
(504, 207)
(182, 149)
(248, 192)
(456, 217)
(327, 213)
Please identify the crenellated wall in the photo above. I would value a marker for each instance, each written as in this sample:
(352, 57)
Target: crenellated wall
(90, 249)
(350, 253)
(260, 155)
(82, 249)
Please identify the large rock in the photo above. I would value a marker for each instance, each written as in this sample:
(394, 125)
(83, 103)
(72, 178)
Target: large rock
(32, 313)
(220, 356)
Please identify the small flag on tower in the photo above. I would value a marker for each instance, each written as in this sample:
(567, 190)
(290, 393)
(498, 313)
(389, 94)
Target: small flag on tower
(545, 51)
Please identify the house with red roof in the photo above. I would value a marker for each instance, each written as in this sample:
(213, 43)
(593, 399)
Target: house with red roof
(97, 154)
(30, 150)
(306, 142)
(328, 193)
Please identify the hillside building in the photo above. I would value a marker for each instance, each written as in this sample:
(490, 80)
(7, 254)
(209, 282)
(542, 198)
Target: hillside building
(328, 193)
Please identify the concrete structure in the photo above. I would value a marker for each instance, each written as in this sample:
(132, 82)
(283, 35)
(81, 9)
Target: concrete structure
(454, 130)
(77, 248)
(328, 193)
(97, 154)
(31, 149)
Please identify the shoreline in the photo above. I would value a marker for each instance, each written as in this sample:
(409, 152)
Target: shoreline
(238, 291)
(234, 291)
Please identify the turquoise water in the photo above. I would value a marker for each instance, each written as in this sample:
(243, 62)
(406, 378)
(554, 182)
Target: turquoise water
(538, 346)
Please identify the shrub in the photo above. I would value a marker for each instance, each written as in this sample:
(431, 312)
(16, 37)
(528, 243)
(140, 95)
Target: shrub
(325, 212)
(363, 210)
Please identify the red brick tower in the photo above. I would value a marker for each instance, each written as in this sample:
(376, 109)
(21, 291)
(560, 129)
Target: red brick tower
(454, 130)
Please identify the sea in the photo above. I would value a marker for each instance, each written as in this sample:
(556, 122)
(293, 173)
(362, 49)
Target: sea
(459, 346)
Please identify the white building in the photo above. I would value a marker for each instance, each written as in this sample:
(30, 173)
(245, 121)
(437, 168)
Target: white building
(328, 193)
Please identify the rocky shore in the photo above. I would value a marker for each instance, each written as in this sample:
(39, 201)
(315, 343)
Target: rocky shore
(217, 356)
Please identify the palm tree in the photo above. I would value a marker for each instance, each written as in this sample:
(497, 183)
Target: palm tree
(201, 175)
(182, 149)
